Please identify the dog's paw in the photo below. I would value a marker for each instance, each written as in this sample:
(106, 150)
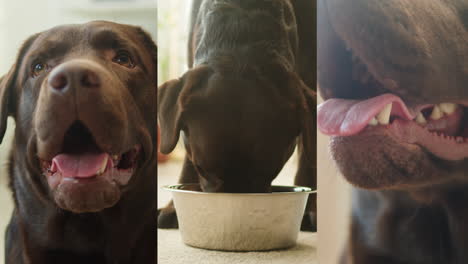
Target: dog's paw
(167, 218)
(309, 222)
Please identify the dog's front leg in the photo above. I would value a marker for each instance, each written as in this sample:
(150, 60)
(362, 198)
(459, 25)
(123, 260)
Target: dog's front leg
(307, 176)
(167, 217)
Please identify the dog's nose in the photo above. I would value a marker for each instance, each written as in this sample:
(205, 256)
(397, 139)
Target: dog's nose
(73, 74)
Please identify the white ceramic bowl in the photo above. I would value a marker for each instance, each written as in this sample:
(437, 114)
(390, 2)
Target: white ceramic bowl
(239, 221)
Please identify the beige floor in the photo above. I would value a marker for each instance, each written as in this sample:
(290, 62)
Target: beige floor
(171, 250)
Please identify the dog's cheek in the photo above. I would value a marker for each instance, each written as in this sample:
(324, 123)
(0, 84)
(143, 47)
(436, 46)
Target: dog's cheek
(28, 97)
(379, 162)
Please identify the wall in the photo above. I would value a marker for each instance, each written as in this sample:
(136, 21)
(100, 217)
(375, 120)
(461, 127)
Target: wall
(333, 205)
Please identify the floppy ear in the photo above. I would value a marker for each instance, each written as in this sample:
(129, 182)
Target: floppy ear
(173, 95)
(6, 87)
(309, 118)
(150, 45)
(305, 100)
(8, 84)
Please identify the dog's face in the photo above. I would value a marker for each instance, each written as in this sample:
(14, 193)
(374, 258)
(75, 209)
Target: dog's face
(408, 54)
(239, 128)
(84, 101)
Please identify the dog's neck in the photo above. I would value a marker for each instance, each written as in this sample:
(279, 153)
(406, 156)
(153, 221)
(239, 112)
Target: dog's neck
(231, 28)
(423, 227)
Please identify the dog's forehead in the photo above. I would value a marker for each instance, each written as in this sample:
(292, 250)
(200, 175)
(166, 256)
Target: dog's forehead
(88, 38)
(224, 105)
(80, 34)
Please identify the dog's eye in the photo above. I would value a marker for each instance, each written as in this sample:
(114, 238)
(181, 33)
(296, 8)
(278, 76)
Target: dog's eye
(123, 58)
(38, 68)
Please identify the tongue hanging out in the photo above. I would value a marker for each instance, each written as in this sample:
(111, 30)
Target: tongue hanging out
(342, 117)
(81, 165)
(438, 128)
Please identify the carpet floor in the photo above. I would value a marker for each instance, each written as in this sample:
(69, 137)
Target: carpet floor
(171, 249)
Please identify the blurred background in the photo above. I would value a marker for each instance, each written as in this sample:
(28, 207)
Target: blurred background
(19, 19)
(334, 201)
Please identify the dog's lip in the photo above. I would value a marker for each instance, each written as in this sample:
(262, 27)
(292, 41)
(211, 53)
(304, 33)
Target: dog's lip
(409, 133)
(446, 138)
(347, 117)
(111, 171)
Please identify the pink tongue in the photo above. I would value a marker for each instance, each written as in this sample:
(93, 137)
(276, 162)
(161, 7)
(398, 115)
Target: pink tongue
(79, 165)
(343, 117)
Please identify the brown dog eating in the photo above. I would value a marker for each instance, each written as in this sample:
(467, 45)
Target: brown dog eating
(394, 75)
(247, 100)
(83, 162)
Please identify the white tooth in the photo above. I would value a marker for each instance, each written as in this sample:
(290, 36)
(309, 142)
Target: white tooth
(384, 116)
(373, 122)
(436, 113)
(448, 108)
(103, 166)
(420, 119)
(115, 157)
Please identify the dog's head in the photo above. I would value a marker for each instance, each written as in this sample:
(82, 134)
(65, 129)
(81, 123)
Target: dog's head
(412, 56)
(240, 122)
(84, 101)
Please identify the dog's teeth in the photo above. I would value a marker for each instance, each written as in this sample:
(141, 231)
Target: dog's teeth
(420, 119)
(384, 116)
(448, 108)
(436, 113)
(103, 166)
(373, 122)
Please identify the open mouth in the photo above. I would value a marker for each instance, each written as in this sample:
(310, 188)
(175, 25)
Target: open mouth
(82, 160)
(439, 128)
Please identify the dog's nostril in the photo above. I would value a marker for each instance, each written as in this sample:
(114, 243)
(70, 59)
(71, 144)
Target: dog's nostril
(90, 79)
(59, 81)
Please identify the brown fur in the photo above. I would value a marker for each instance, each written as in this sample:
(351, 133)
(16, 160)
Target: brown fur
(247, 99)
(408, 204)
(98, 223)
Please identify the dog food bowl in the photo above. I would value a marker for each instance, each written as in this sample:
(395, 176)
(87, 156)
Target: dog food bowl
(239, 221)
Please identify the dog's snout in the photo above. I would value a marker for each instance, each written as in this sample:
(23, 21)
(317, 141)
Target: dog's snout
(89, 79)
(58, 81)
(76, 75)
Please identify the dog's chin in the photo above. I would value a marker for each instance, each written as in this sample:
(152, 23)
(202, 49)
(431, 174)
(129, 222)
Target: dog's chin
(89, 182)
(377, 158)
(86, 196)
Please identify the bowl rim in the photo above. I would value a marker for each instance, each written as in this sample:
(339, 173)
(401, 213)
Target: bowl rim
(297, 189)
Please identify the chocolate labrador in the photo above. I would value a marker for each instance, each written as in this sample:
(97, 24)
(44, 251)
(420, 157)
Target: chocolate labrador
(247, 99)
(83, 162)
(394, 76)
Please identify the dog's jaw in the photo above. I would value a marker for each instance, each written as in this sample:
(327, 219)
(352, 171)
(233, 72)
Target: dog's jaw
(411, 146)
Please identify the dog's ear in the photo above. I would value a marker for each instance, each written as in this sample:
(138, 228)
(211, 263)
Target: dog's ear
(309, 119)
(8, 87)
(173, 95)
(6, 97)
(150, 45)
(303, 98)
